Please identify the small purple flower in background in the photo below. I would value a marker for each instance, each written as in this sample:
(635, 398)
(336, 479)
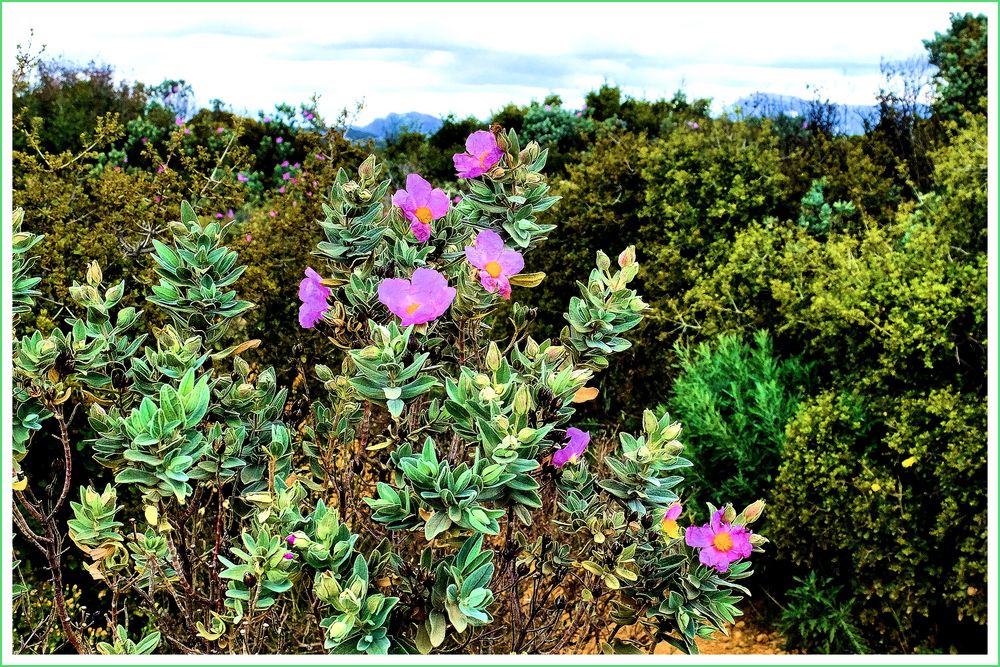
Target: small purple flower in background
(457, 199)
(584, 107)
(720, 542)
(291, 540)
(230, 214)
(289, 556)
(156, 198)
(249, 238)
(577, 442)
(805, 125)
(548, 107)
(162, 168)
(126, 159)
(419, 300)
(187, 130)
(496, 263)
(309, 194)
(693, 125)
(178, 121)
(285, 163)
(421, 205)
(220, 130)
(295, 166)
(294, 180)
(285, 176)
(273, 214)
(320, 156)
(218, 216)
(174, 89)
(282, 189)
(278, 140)
(267, 119)
(482, 153)
(313, 295)
(579, 113)
(241, 177)
(669, 525)
(144, 140)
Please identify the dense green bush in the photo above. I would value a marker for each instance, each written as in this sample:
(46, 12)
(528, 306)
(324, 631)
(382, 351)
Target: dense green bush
(817, 618)
(735, 399)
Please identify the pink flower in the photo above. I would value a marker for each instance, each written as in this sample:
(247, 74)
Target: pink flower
(273, 214)
(295, 166)
(720, 542)
(320, 156)
(249, 238)
(144, 140)
(267, 119)
(496, 263)
(693, 125)
(187, 130)
(178, 121)
(669, 525)
(423, 298)
(313, 295)
(282, 189)
(579, 113)
(548, 107)
(220, 130)
(285, 176)
(218, 216)
(482, 153)
(156, 198)
(289, 556)
(285, 163)
(421, 205)
(577, 442)
(230, 214)
(291, 540)
(162, 168)
(457, 199)
(279, 140)
(241, 177)
(584, 107)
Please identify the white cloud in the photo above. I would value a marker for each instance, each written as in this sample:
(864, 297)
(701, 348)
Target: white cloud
(474, 58)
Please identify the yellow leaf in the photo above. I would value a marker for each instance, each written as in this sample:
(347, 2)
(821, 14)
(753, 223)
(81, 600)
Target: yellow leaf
(20, 484)
(584, 394)
(527, 279)
(909, 462)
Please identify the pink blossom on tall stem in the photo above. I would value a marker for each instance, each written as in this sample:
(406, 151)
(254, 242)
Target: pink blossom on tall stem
(720, 543)
(421, 205)
(419, 300)
(313, 295)
(496, 263)
(482, 154)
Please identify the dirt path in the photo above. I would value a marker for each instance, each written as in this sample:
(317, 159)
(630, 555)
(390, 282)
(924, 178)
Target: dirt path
(744, 639)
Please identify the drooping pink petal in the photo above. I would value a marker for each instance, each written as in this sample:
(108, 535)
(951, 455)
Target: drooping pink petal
(420, 231)
(438, 203)
(511, 262)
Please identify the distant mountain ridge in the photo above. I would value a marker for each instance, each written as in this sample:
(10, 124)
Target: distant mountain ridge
(394, 124)
(850, 118)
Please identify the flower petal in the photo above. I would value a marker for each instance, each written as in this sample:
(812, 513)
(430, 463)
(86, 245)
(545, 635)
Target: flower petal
(438, 203)
(418, 188)
(511, 262)
(490, 243)
(699, 536)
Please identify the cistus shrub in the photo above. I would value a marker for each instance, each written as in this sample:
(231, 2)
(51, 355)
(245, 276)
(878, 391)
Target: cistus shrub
(440, 497)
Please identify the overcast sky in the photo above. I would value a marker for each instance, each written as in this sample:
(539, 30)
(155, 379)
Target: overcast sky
(474, 58)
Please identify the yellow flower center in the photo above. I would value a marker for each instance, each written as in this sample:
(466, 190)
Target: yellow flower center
(412, 308)
(424, 215)
(672, 530)
(722, 541)
(494, 269)
(482, 158)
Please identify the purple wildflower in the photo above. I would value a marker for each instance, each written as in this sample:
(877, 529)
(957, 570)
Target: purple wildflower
(496, 263)
(421, 299)
(313, 295)
(720, 542)
(482, 153)
(241, 177)
(289, 555)
(279, 140)
(421, 205)
(577, 442)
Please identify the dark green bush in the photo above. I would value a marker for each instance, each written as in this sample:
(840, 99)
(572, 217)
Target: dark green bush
(818, 620)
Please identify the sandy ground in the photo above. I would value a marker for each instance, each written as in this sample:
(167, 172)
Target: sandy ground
(744, 639)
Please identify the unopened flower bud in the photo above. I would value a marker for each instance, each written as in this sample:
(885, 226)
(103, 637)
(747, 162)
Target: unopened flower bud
(244, 390)
(730, 514)
(627, 257)
(487, 394)
(481, 380)
(493, 357)
(94, 275)
(753, 511)
(498, 172)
